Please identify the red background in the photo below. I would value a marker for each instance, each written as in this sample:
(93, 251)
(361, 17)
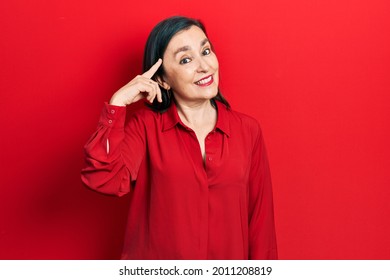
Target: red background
(314, 73)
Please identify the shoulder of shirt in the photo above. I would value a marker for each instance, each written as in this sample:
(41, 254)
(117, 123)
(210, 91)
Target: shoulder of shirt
(246, 121)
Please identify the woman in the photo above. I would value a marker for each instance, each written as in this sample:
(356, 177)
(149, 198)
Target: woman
(197, 171)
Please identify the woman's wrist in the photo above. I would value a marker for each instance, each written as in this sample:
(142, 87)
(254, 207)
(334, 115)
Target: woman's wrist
(116, 102)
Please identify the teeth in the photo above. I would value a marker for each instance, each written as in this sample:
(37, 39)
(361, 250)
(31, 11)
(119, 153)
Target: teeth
(204, 81)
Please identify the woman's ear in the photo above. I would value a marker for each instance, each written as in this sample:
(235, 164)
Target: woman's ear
(163, 83)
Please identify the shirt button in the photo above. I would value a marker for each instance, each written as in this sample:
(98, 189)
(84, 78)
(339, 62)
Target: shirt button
(112, 111)
(110, 121)
(210, 158)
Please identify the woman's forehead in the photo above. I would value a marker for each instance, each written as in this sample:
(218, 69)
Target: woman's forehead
(192, 37)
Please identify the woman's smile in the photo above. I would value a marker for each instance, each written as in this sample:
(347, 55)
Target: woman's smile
(206, 81)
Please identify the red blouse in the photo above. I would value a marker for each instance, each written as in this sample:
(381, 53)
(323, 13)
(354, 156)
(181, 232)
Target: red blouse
(184, 207)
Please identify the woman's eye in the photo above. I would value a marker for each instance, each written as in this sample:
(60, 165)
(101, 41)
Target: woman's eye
(206, 51)
(185, 60)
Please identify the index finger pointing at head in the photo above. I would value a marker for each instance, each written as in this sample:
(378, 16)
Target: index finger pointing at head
(149, 74)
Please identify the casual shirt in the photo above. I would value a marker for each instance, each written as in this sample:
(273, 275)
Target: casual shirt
(184, 206)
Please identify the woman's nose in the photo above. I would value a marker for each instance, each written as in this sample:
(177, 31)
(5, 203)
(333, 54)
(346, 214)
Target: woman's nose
(203, 65)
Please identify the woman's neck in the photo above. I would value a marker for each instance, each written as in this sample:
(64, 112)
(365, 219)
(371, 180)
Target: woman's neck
(197, 115)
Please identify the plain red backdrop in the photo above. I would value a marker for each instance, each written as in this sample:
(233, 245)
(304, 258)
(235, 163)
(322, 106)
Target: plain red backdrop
(314, 73)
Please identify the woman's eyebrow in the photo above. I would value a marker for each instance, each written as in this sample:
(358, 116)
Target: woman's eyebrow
(186, 48)
(204, 41)
(181, 49)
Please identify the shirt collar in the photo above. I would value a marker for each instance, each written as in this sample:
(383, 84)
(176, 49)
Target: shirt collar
(171, 118)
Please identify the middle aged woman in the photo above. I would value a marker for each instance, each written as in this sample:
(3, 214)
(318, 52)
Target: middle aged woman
(197, 171)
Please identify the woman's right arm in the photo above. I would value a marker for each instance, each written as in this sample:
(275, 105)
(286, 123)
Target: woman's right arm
(114, 152)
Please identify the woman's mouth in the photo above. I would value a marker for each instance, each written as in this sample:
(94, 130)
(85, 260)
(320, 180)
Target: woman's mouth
(206, 81)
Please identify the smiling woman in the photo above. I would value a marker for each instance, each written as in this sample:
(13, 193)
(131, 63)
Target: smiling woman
(191, 68)
(197, 170)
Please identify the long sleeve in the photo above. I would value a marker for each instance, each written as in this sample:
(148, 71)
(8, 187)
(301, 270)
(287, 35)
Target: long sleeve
(262, 236)
(114, 152)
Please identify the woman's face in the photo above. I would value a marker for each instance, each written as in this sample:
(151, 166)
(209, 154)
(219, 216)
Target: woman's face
(191, 67)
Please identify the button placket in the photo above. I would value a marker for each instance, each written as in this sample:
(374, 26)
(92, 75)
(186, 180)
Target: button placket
(211, 149)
